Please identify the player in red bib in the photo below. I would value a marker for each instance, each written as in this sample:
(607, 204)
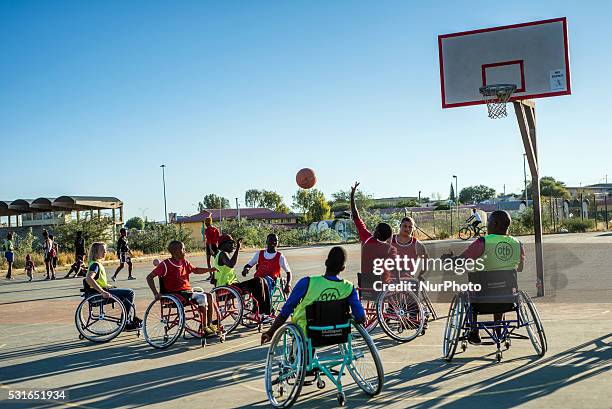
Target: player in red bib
(211, 235)
(269, 263)
(407, 245)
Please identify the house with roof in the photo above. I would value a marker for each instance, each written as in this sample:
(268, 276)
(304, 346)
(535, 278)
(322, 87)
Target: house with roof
(194, 223)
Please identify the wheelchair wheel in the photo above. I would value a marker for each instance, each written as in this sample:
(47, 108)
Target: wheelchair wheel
(371, 316)
(365, 365)
(250, 312)
(401, 315)
(285, 366)
(163, 322)
(531, 319)
(100, 319)
(454, 325)
(230, 305)
(465, 233)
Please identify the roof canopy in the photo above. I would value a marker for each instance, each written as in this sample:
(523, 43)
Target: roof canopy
(62, 203)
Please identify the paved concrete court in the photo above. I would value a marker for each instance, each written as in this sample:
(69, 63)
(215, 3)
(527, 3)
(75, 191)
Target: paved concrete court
(39, 348)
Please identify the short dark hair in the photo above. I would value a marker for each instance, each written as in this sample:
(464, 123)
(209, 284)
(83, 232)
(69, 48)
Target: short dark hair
(502, 218)
(335, 260)
(271, 235)
(9, 236)
(174, 244)
(122, 230)
(384, 231)
(51, 236)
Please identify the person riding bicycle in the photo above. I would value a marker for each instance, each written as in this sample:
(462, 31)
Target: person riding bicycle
(498, 251)
(475, 220)
(311, 289)
(269, 263)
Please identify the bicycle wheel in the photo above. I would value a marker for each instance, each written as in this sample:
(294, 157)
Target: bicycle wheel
(100, 319)
(285, 366)
(401, 315)
(365, 365)
(465, 233)
(230, 306)
(163, 322)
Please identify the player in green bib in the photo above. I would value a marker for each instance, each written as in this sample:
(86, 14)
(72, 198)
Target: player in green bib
(328, 287)
(497, 251)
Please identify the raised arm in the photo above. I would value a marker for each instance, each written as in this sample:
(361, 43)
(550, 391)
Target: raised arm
(354, 211)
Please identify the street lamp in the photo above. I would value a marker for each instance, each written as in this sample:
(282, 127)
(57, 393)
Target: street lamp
(456, 200)
(164, 182)
(419, 197)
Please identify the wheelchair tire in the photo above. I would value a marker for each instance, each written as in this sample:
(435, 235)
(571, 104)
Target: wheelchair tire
(371, 316)
(163, 322)
(286, 359)
(365, 353)
(100, 320)
(401, 315)
(229, 302)
(531, 320)
(454, 326)
(465, 233)
(250, 312)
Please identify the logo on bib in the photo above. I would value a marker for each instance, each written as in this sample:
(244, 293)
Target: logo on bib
(503, 251)
(329, 294)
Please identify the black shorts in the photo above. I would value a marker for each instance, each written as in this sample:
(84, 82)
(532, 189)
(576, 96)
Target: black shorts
(125, 258)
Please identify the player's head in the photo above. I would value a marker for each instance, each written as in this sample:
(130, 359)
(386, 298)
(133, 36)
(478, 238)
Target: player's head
(50, 237)
(271, 242)
(97, 251)
(45, 233)
(474, 211)
(9, 236)
(383, 232)
(226, 243)
(336, 260)
(79, 234)
(499, 222)
(407, 226)
(177, 249)
(123, 232)
(28, 257)
(208, 221)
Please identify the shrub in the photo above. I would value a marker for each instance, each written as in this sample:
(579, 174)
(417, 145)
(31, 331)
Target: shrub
(155, 238)
(135, 223)
(576, 225)
(443, 234)
(94, 230)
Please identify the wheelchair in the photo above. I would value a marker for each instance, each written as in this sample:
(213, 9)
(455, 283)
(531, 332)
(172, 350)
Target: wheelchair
(100, 319)
(239, 307)
(499, 295)
(173, 315)
(401, 314)
(346, 344)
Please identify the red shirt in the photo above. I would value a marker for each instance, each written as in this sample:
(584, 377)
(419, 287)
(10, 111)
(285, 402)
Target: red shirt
(174, 274)
(372, 249)
(212, 235)
(268, 268)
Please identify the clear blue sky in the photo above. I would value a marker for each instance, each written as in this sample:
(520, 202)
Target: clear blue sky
(238, 95)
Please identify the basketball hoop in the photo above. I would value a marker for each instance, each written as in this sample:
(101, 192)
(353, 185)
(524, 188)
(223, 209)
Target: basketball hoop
(496, 96)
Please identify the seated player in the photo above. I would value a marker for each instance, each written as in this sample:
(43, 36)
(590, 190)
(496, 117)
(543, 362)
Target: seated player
(96, 281)
(225, 275)
(310, 289)
(269, 263)
(498, 251)
(174, 274)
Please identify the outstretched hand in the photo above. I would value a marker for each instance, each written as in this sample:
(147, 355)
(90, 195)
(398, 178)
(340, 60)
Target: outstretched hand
(354, 188)
(265, 338)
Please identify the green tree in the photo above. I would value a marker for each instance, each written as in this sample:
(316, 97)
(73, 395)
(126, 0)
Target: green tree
(341, 200)
(451, 195)
(212, 201)
(94, 230)
(252, 197)
(476, 194)
(265, 198)
(549, 186)
(312, 204)
(135, 223)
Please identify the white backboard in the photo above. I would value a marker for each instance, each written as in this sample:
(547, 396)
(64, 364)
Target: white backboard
(534, 56)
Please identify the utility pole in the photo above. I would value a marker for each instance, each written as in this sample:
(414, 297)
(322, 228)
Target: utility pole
(164, 182)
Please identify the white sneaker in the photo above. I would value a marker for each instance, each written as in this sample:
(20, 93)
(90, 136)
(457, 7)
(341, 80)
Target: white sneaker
(266, 319)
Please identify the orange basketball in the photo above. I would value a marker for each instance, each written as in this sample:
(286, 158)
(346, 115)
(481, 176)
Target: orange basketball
(306, 178)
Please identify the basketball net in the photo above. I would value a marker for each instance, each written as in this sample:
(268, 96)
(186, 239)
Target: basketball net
(496, 96)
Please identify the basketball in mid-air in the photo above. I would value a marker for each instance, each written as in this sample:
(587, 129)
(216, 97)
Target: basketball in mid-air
(306, 178)
(156, 262)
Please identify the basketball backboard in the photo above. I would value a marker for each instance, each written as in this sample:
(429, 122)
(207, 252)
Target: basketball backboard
(534, 56)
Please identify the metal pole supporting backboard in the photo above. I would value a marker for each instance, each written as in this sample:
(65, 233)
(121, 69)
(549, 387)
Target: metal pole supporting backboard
(525, 115)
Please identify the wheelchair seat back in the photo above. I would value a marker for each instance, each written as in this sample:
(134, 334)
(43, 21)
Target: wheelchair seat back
(328, 322)
(499, 291)
(365, 283)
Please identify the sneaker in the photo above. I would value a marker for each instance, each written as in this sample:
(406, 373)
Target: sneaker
(52, 277)
(266, 319)
(47, 278)
(131, 278)
(474, 338)
(135, 324)
(114, 278)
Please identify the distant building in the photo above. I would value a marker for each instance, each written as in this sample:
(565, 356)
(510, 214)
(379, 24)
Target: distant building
(590, 189)
(194, 223)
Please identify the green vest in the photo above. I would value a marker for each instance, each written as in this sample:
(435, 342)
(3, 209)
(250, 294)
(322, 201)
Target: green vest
(101, 280)
(320, 289)
(8, 245)
(501, 252)
(225, 275)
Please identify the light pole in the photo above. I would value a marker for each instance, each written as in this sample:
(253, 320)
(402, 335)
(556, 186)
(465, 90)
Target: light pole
(164, 182)
(456, 199)
(419, 198)
(238, 211)
(525, 174)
